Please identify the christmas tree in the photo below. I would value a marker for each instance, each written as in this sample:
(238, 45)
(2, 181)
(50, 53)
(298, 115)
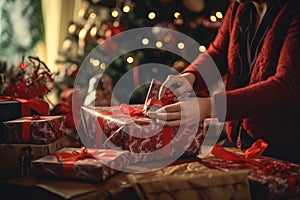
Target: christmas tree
(99, 20)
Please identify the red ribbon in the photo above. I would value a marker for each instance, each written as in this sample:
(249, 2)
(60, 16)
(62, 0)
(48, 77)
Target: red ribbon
(38, 105)
(126, 109)
(166, 100)
(26, 127)
(256, 149)
(74, 156)
(69, 159)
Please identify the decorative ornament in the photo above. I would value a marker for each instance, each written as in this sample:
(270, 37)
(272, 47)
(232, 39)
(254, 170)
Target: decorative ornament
(113, 30)
(194, 5)
(35, 79)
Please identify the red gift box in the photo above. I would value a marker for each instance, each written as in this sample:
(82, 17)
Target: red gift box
(85, 164)
(269, 178)
(110, 127)
(34, 130)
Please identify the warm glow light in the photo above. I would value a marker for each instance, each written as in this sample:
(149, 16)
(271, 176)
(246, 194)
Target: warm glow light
(158, 44)
(82, 34)
(102, 65)
(154, 70)
(180, 45)
(67, 44)
(115, 13)
(116, 23)
(93, 15)
(93, 31)
(126, 9)
(92, 60)
(72, 28)
(145, 41)
(129, 59)
(213, 18)
(96, 63)
(219, 15)
(151, 15)
(177, 15)
(202, 48)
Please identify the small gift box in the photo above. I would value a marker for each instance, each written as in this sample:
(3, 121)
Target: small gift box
(191, 181)
(85, 164)
(34, 130)
(14, 108)
(269, 178)
(15, 159)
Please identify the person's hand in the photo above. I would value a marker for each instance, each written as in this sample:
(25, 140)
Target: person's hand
(188, 112)
(184, 83)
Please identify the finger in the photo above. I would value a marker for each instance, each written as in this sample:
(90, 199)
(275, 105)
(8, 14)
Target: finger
(175, 107)
(168, 116)
(165, 85)
(172, 123)
(162, 91)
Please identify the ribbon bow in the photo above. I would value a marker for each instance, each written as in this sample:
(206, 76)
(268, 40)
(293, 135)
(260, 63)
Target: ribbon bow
(74, 156)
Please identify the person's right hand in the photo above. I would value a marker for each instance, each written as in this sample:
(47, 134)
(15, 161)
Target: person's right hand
(183, 83)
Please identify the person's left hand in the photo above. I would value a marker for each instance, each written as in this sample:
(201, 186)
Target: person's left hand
(188, 112)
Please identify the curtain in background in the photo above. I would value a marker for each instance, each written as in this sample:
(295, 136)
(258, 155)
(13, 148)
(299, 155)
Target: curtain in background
(21, 28)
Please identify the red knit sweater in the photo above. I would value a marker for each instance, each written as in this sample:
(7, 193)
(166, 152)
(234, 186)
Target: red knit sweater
(270, 105)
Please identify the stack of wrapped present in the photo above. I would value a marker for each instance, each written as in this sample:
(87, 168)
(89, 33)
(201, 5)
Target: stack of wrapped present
(112, 133)
(26, 130)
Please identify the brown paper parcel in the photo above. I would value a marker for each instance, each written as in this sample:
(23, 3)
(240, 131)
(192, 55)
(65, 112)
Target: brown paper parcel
(191, 181)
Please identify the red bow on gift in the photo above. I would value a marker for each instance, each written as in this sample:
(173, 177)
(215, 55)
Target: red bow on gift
(256, 149)
(74, 156)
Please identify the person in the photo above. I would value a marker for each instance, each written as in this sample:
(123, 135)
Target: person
(257, 51)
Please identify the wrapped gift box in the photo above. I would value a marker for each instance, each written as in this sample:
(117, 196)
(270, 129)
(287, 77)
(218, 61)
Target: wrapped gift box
(269, 178)
(107, 127)
(93, 164)
(191, 181)
(15, 159)
(34, 130)
(13, 109)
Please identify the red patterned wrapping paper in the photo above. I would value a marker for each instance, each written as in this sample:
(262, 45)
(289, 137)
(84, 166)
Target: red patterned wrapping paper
(34, 130)
(103, 164)
(272, 179)
(115, 128)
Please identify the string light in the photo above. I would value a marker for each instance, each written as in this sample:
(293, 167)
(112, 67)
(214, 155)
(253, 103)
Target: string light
(219, 15)
(82, 34)
(151, 15)
(159, 44)
(72, 28)
(115, 13)
(202, 48)
(180, 45)
(93, 31)
(177, 15)
(213, 18)
(154, 70)
(126, 9)
(102, 65)
(129, 59)
(167, 39)
(93, 15)
(145, 41)
(67, 44)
